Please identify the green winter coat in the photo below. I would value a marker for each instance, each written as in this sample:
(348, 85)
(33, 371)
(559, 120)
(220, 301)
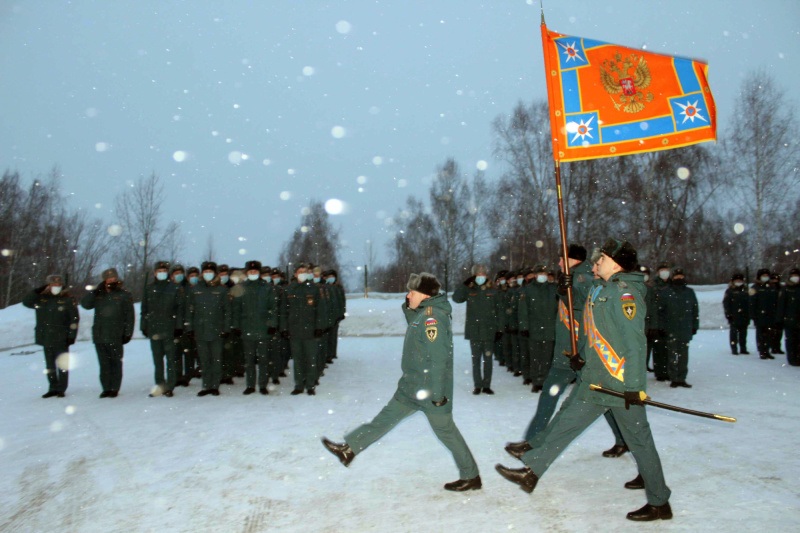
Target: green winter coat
(301, 313)
(763, 304)
(327, 308)
(510, 308)
(337, 298)
(56, 317)
(427, 362)
(788, 312)
(255, 309)
(656, 288)
(208, 314)
(679, 313)
(736, 304)
(162, 309)
(482, 322)
(113, 314)
(615, 347)
(537, 310)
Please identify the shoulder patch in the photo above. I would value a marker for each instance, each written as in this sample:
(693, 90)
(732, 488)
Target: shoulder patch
(429, 311)
(627, 297)
(432, 333)
(430, 322)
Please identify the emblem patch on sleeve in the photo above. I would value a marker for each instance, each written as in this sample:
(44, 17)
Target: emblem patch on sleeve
(628, 305)
(430, 322)
(432, 333)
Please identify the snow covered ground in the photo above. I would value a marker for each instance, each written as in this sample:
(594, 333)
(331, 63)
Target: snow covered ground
(252, 463)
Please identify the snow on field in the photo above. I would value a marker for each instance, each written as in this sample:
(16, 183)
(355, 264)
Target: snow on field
(251, 463)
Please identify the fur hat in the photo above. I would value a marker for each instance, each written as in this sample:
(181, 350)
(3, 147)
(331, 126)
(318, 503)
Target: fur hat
(795, 271)
(54, 278)
(678, 271)
(193, 270)
(576, 251)
(109, 273)
(479, 268)
(425, 283)
(160, 264)
(622, 252)
(762, 271)
(276, 272)
(209, 265)
(267, 270)
(253, 265)
(596, 253)
(501, 274)
(221, 268)
(663, 265)
(737, 275)
(317, 271)
(176, 268)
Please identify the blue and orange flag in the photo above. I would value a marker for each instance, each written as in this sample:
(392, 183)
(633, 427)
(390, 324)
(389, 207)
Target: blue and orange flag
(608, 100)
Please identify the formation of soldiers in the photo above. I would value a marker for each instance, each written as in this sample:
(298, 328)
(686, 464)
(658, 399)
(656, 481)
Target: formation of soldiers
(214, 323)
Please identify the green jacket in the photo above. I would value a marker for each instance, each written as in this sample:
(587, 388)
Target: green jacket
(162, 309)
(788, 311)
(255, 309)
(736, 304)
(679, 313)
(208, 314)
(763, 304)
(326, 306)
(482, 321)
(615, 346)
(56, 317)
(656, 288)
(509, 308)
(301, 312)
(582, 282)
(427, 362)
(114, 316)
(338, 301)
(537, 310)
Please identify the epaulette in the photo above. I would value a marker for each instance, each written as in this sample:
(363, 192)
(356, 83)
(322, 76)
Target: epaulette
(429, 311)
(622, 284)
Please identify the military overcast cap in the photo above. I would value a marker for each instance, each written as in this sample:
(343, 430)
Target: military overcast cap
(209, 265)
(54, 278)
(425, 283)
(479, 269)
(622, 252)
(160, 264)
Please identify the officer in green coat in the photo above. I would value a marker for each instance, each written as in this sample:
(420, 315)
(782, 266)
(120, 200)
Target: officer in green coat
(208, 319)
(501, 287)
(736, 303)
(763, 304)
(184, 348)
(112, 328)
(161, 321)
(538, 306)
(659, 334)
(680, 317)
(304, 326)
(255, 319)
(511, 324)
(615, 350)
(338, 310)
(788, 314)
(481, 325)
(278, 346)
(326, 312)
(426, 384)
(56, 329)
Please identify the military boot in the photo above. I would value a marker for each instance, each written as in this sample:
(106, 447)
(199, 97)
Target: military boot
(616, 451)
(464, 484)
(518, 449)
(524, 477)
(648, 513)
(636, 483)
(342, 451)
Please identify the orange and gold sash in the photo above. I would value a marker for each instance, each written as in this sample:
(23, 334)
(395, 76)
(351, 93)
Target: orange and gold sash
(563, 316)
(613, 363)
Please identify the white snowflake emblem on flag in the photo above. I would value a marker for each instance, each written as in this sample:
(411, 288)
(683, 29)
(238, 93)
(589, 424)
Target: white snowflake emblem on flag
(571, 52)
(580, 130)
(691, 111)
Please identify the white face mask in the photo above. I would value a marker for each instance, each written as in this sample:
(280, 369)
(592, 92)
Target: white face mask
(480, 280)
(794, 279)
(302, 278)
(161, 276)
(253, 277)
(55, 290)
(663, 274)
(646, 278)
(520, 280)
(223, 279)
(501, 281)
(208, 276)
(764, 279)
(235, 279)
(738, 283)
(541, 278)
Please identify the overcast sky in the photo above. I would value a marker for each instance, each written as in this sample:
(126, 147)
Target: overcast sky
(250, 110)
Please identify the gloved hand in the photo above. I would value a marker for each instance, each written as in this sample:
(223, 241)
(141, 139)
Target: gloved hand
(439, 404)
(564, 283)
(272, 331)
(237, 332)
(694, 331)
(177, 333)
(634, 397)
(40, 290)
(144, 332)
(498, 335)
(70, 342)
(525, 333)
(318, 333)
(126, 339)
(286, 335)
(469, 281)
(100, 289)
(576, 363)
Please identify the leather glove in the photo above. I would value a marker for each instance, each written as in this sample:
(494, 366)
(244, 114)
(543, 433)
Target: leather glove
(100, 289)
(144, 332)
(576, 363)
(564, 283)
(498, 335)
(318, 333)
(694, 331)
(634, 397)
(40, 290)
(469, 281)
(237, 332)
(525, 333)
(272, 331)
(439, 404)
(126, 339)
(70, 342)
(286, 335)
(177, 333)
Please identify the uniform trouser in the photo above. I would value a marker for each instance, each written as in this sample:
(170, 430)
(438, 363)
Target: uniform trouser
(508, 352)
(165, 349)
(231, 352)
(554, 384)
(661, 357)
(109, 355)
(678, 359)
(256, 361)
(333, 342)
(481, 363)
(525, 356)
(275, 357)
(304, 353)
(442, 425)
(777, 335)
(515, 353)
(57, 369)
(210, 355)
(188, 348)
(322, 351)
(650, 344)
(286, 351)
(612, 423)
(763, 337)
(576, 416)
(498, 352)
(793, 344)
(738, 338)
(541, 359)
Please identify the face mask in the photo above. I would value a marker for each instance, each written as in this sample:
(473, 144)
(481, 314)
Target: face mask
(663, 274)
(194, 281)
(276, 281)
(208, 276)
(301, 278)
(541, 279)
(268, 279)
(161, 276)
(738, 283)
(794, 279)
(480, 280)
(178, 278)
(330, 281)
(501, 282)
(235, 280)
(317, 280)
(520, 280)
(223, 279)
(646, 278)
(764, 279)
(56, 290)
(253, 277)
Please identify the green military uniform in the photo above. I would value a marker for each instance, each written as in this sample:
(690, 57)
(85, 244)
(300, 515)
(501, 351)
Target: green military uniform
(736, 306)
(511, 331)
(480, 327)
(763, 304)
(255, 315)
(161, 321)
(304, 322)
(538, 306)
(615, 350)
(499, 305)
(427, 366)
(326, 311)
(278, 345)
(338, 310)
(660, 349)
(788, 314)
(679, 316)
(208, 319)
(56, 329)
(112, 328)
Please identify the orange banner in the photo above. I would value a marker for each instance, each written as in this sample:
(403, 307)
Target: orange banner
(608, 100)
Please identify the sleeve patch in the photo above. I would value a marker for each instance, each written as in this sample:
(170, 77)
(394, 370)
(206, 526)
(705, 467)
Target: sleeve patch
(432, 333)
(627, 297)
(430, 322)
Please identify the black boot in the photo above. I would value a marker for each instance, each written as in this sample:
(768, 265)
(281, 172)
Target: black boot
(49, 394)
(295, 392)
(636, 483)
(263, 390)
(204, 392)
(464, 484)
(648, 513)
(487, 390)
(536, 389)
(249, 390)
(616, 451)
(744, 352)
(61, 395)
(518, 449)
(524, 477)
(105, 394)
(527, 381)
(276, 381)
(342, 451)
(169, 394)
(214, 392)
(311, 391)
(475, 391)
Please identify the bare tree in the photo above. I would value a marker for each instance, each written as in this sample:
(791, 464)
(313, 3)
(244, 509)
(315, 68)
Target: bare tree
(477, 231)
(450, 198)
(316, 240)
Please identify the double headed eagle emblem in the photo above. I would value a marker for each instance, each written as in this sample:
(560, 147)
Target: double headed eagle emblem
(627, 78)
